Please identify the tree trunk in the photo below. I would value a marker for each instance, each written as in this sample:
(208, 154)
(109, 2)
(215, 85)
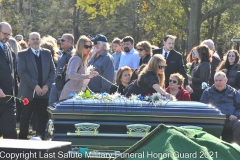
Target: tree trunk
(194, 24)
(75, 23)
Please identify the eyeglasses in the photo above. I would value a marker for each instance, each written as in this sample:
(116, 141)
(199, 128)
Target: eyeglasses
(162, 67)
(194, 53)
(63, 40)
(95, 43)
(86, 47)
(140, 49)
(6, 34)
(172, 81)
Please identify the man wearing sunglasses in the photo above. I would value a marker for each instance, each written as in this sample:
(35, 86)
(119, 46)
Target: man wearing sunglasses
(103, 62)
(7, 84)
(174, 60)
(67, 47)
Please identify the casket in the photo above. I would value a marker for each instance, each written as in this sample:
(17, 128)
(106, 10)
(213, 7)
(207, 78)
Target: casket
(115, 126)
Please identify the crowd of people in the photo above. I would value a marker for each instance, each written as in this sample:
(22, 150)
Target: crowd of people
(29, 69)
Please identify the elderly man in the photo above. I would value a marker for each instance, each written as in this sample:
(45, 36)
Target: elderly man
(103, 62)
(227, 100)
(36, 70)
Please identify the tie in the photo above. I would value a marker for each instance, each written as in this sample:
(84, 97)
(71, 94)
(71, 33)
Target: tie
(5, 50)
(165, 55)
(36, 53)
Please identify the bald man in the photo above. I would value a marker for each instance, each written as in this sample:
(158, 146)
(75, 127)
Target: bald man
(36, 71)
(7, 83)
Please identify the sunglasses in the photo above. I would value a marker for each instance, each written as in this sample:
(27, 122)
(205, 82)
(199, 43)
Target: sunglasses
(173, 81)
(86, 47)
(95, 43)
(231, 55)
(140, 49)
(63, 40)
(162, 67)
(194, 53)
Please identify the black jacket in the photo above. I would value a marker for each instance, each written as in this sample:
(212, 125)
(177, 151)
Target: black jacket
(144, 85)
(119, 89)
(174, 65)
(7, 73)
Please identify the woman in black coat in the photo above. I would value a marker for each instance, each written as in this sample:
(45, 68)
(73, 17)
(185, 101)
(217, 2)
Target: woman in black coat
(151, 78)
(200, 74)
(123, 78)
(231, 66)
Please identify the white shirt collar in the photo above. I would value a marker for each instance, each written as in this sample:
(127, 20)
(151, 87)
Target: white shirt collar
(34, 51)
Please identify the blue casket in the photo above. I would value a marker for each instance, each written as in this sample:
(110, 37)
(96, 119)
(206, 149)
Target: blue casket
(115, 126)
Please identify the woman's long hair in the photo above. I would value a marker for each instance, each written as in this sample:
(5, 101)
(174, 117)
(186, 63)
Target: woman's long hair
(153, 65)
(225, 63)
(80, 47)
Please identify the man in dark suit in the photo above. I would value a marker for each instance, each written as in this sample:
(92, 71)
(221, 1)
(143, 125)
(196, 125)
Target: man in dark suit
(174, 60)
(7, 83)
(36, 71)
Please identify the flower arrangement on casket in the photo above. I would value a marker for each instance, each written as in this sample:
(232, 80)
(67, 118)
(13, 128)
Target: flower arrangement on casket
(133, 100)
(116, 98)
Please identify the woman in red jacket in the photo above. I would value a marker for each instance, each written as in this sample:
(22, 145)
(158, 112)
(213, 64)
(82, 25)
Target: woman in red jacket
(175, 88)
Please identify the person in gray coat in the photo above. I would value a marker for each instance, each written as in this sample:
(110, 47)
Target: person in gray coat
(77, 76)
(36, 71)
(227, 100)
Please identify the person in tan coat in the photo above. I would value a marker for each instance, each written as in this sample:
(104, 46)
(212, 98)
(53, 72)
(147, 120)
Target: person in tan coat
(77, 69)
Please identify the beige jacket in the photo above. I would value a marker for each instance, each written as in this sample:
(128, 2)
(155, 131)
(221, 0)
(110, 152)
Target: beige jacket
(76, 72)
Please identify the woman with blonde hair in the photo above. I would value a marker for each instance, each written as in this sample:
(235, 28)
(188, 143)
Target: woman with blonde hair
(77, 77)
(123, 79)
(151, 78)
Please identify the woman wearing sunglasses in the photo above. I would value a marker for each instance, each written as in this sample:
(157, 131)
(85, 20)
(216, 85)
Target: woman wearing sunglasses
(151, 78)
(231, 66)
(175, 88)
(192, 58)
(201, 72)
(144, 49)
(76, 75)
(123, 79)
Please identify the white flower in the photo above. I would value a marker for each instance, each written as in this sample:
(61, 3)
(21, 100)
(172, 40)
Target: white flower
(189, 64)
(90, 69)
(156, 97)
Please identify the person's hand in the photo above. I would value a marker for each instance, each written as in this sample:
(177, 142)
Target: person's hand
(189, 89)
(189, 78)
(2, 95)
(38, 90)
(44, 89)
(232, 118)
(167, 95)
(93, 74)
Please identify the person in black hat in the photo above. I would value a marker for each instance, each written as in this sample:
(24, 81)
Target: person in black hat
(103, 62)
